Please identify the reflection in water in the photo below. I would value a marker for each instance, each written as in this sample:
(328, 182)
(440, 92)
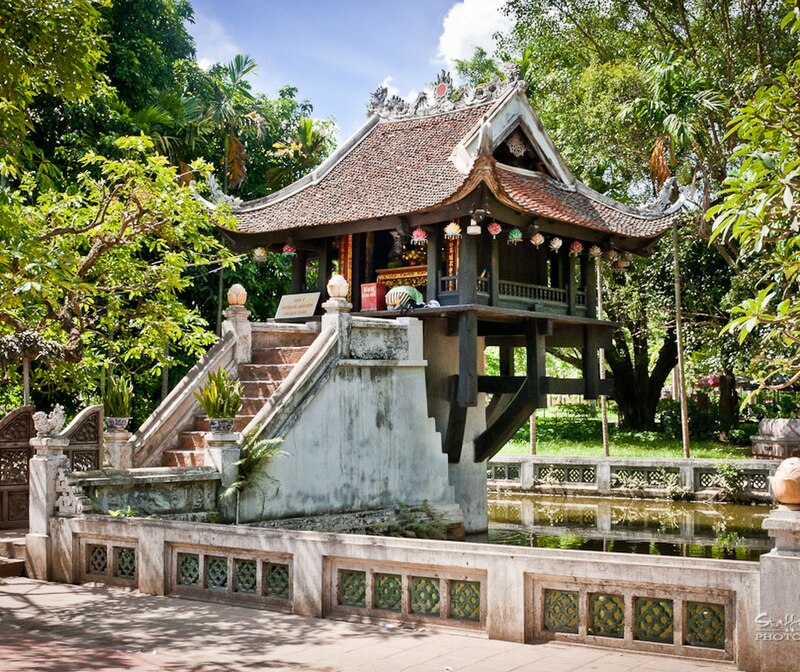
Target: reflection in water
(693, 529)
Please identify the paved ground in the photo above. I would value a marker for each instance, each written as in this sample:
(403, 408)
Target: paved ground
(51, 627)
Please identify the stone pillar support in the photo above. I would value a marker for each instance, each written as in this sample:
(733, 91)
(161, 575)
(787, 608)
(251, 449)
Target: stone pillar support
(44, 468)
(237, 322)
(223, 450)
(117, 450)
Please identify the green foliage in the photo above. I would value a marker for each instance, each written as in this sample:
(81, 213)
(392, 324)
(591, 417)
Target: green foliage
(117, 397)
(726, 481)
(416, 522)
(703, 423)
(127, 512)
(479, 69)
(220, 396)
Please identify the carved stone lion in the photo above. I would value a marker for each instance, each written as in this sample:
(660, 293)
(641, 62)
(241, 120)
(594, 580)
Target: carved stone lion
(49, 425)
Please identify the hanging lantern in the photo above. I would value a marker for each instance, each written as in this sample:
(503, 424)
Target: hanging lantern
(260, 254)
(473, 228)
(611, 255)
(419, 237)
(537, 239)
(452, 230)
(494, 228)
(625, 259)
(289, 250)
(514, 236)
(575, 248)
(555, 244)
(595, 251)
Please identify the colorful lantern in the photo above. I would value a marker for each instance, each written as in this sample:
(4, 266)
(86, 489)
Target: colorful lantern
(260, 254)
(575, 248)
(555, 244)
(289, 250)
(595, 251)
(537, 239)
(452, 230)
(611, 255)
(514, 236)
(494, 228)
(419, 237)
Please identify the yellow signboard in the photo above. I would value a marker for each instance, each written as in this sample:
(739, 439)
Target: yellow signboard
(297, 305)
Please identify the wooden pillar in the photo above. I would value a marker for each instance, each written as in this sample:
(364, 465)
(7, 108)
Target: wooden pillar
(299, 272)
(591, 363)
(358, 271)
(536, 361)
(467, 392)
(434, 263)
(590, 287)
(494, 272)
(369, 257)
(572, 284)
(468, 266)
(506, 360)
(324, 272)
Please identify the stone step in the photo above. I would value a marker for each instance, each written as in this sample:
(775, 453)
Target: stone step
(272, 339)
(201, 422)
(264, 371)
(253, 405)
(11, 567)
(13, 548)
(183, 458)
(193, 440)
(259, 389)
(287, 355)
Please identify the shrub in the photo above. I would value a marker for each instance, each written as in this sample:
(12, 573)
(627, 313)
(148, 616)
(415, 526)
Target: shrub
(117, 399)
(220, 397)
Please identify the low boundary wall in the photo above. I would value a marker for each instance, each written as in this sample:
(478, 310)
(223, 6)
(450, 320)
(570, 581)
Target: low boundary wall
(690, 607)
(625, 477)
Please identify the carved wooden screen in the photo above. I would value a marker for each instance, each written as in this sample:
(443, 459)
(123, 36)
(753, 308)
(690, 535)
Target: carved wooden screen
(85, 434)
(16, 430)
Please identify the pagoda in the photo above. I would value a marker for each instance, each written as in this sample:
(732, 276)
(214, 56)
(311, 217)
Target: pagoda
(463, 195)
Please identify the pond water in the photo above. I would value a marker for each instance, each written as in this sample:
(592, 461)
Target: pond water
(693, 529)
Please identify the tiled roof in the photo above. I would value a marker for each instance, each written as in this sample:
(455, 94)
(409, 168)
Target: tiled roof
(543, 196)
(398, 168)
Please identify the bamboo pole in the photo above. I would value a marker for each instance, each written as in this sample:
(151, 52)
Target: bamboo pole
(26, 381)
(603, 398)
(679, 341)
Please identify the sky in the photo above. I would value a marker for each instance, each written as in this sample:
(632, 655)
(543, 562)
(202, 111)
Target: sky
(336, 52)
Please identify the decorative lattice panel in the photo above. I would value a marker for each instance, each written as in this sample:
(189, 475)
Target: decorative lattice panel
(706, 479)
(653, 619)
(188, 569)
(705, 625)
(353, 588)
(588, 475)
(513, 472)
(84, 460)
(758, 481)
(465, 600)
(125, 563)
(216, 573)
(97, 559)
(17, 506)
(14, 466)
(276, 580)
(574, 475)
(561, 610)
(552, 473)
(425, 596)
(246, 576)
(388, 591)
(606, 615)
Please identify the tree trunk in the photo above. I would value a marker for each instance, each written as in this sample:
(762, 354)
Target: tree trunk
(728, 401)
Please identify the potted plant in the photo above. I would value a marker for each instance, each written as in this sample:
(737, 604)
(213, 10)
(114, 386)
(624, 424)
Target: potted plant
(221, 399)
(117, 402)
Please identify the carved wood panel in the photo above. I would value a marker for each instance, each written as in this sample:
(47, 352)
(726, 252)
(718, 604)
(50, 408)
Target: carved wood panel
(16, 430)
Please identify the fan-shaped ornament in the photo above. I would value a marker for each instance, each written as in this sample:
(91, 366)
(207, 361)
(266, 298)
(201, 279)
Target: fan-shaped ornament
(452, 230)
(555, 244)
(494, 228)
(514, 236)
(419, 237)
(289, 250)
(537, 239)
(260, 254)
(575, 248)
(595, 251)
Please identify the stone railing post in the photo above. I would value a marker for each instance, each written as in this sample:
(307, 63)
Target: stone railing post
(777, 624)
(223, 450)
(337, 313)
(237, 321)
(44, 468)
(117, 449)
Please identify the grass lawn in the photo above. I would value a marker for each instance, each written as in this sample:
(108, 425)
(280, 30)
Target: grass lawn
(628, 444)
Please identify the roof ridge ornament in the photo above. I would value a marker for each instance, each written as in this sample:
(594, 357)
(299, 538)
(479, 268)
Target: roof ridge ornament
(444, 96)
(216, 195)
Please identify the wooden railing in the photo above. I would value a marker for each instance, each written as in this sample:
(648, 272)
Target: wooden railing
(521, 290)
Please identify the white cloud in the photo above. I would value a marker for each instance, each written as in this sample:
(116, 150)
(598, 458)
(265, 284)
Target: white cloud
(390, 88)
(469, 24)
(213, 43)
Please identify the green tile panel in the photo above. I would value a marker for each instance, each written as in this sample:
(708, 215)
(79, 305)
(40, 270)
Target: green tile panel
(465, 600)
(561, 610)
(705, 625)
(425, 598)
(606, 615)
(654, 620)
(388, 591)
(352, 588)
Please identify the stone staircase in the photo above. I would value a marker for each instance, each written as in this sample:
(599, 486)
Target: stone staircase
(12, 553)
(274, 355)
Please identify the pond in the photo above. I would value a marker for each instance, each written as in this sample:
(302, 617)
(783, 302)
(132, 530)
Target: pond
(654, 527)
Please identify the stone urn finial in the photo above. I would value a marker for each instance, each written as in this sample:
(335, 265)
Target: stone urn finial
(337, 287)
(237, 295)
(786, 484)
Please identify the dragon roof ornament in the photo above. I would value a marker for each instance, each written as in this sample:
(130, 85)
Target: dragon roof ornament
(444, 96)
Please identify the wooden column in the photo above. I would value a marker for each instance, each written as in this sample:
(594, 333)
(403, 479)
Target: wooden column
(324, 271)
(572, 284)
(536, 361)
(434, 263)
(467, 266)
(494, 272)
(467, 392)
(358, 271)
(299, 272)
(506, 360)
(590, 274)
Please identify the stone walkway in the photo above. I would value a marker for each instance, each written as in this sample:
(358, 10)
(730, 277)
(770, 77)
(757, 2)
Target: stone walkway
(51, 627)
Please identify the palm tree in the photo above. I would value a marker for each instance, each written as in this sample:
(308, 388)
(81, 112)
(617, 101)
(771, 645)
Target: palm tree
(308, 146)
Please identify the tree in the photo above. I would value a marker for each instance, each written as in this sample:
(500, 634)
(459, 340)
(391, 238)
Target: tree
(760, 211)
(478, 69)
(97, 273)
(308, 145)
(50, 48)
